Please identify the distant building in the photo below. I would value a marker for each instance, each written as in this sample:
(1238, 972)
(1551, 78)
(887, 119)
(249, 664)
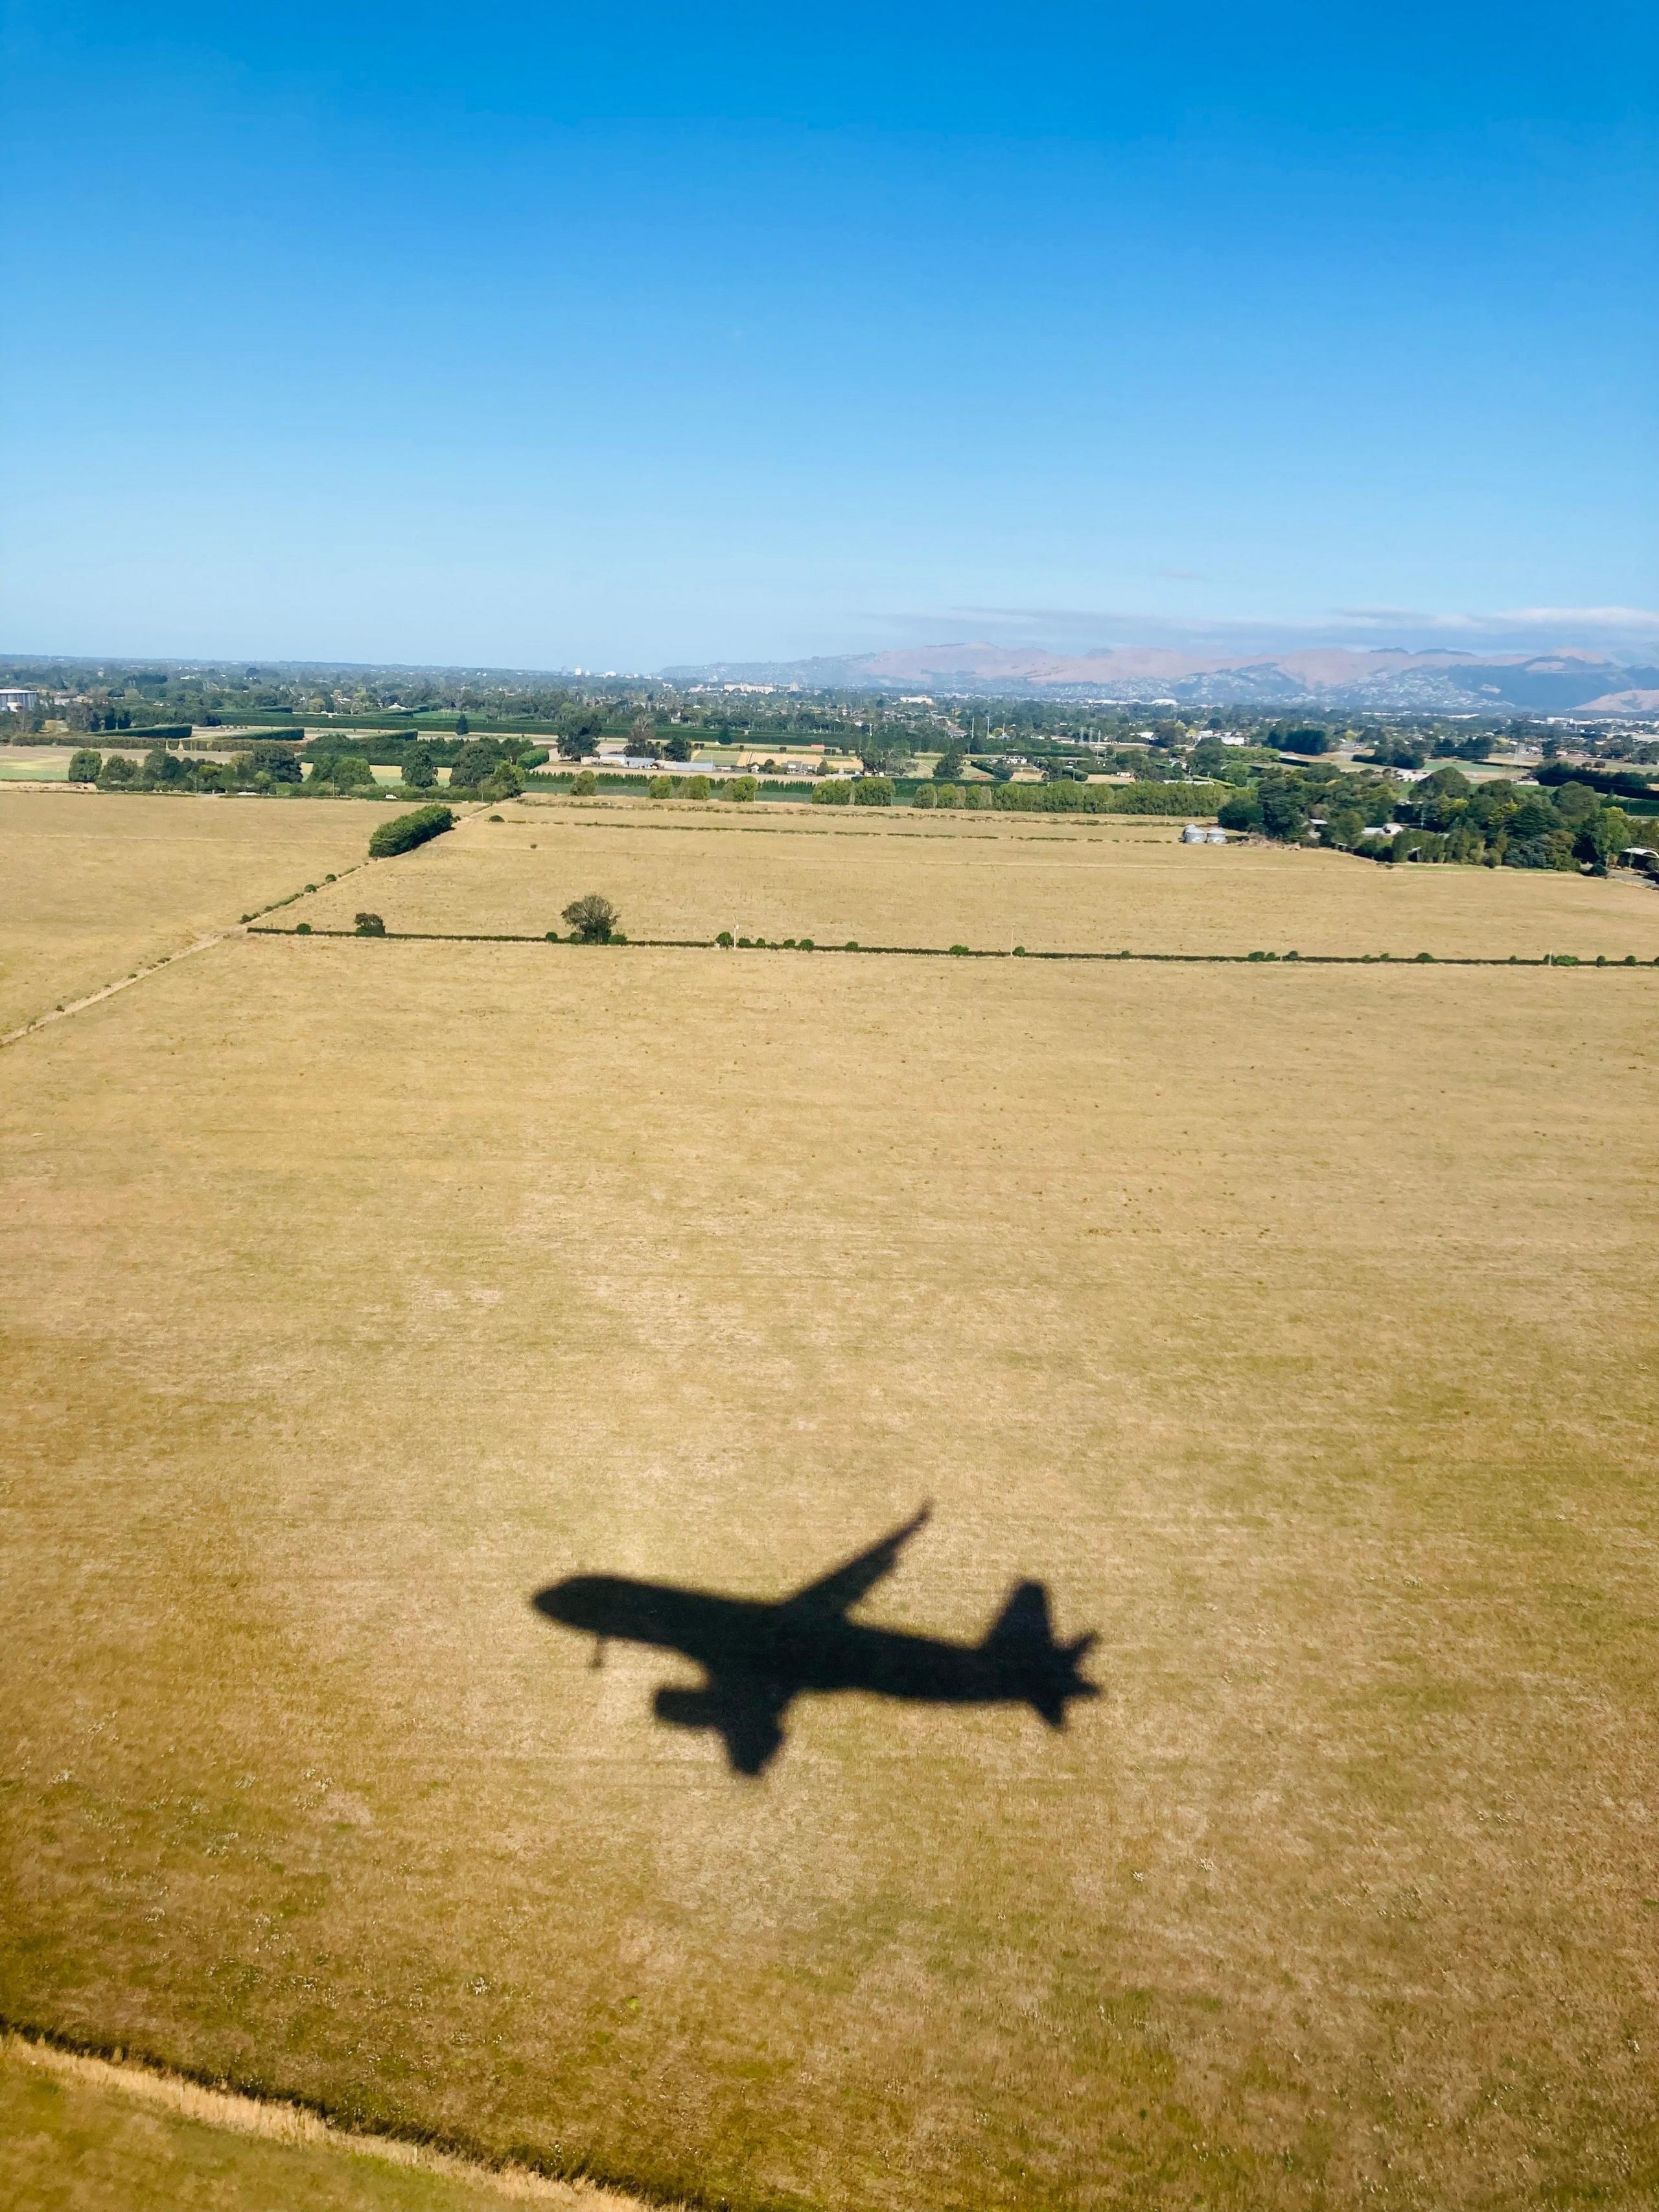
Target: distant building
(1215, 836)
(18, 702)
(1192, 835)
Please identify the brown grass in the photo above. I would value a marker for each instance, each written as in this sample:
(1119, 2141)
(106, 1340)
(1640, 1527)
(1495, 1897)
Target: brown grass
(97, 885)
(989, 883)
(1296, 1325)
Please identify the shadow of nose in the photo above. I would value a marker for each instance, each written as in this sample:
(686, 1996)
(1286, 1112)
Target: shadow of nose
(564, 1602)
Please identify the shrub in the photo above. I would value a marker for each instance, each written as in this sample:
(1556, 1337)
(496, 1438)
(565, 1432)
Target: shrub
(404, 831)
(834, 792)
(117, 771)
(944, 794)
(976, 795)
(697, 787)
(926, 796)
(370, 925)
(84, 765)
(584, 783)
(659, 786)
(593, 919)
(725, 938)
(304, 930)
(742, 787)
(874, 791)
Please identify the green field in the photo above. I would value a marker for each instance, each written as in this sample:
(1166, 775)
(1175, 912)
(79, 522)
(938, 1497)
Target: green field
(1294, 1326)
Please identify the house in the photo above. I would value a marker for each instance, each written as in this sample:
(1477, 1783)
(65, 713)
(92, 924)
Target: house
(18, 702)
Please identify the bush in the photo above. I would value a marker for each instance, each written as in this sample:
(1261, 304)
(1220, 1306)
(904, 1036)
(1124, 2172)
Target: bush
(874, 791)
(835, 792)
(404, 831)
(926, 796)
(976, 795)
(659, 786)
(593, 919)
(725, 938)
(944, 794)
(742, 787)
(697, 787)
(584, 783)
(84, 765)
(117, 771)
(370, 925)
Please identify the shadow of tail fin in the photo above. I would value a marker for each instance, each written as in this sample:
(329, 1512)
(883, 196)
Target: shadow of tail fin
(1021, 1640)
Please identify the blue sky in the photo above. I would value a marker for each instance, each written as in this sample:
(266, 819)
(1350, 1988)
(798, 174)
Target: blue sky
(541, 336)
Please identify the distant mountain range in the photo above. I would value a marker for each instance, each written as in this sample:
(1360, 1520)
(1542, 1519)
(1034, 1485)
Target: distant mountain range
(1391, 680)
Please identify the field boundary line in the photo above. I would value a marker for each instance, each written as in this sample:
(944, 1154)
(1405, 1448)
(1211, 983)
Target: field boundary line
(302, 2125)
(108, 991)
(185, 952)
(1602, 963)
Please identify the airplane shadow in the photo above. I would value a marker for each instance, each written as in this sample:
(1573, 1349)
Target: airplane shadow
(758, 1657)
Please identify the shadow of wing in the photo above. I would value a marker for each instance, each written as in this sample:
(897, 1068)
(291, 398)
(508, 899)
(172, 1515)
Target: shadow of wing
(843, 1586)
(747, 1712)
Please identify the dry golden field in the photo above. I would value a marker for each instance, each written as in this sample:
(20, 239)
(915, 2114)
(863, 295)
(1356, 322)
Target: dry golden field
(991, 883)
(98, 884)
(1294, 1325)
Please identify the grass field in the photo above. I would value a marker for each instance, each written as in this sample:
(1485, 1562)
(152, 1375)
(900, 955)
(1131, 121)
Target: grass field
(98, 886)
(1295, 1326)
(78, 2136)
(781, 873)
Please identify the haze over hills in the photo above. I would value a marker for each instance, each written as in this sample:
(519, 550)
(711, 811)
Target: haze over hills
(1384, 680)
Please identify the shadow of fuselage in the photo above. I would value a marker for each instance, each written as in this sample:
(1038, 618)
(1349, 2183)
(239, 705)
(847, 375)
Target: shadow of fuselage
(759, 1656)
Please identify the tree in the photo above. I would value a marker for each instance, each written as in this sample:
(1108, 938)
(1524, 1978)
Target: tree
(475, 764)
(420, 772)
(1342, 828)
(883, 752)
(370, 925)
(642, 739)
(1575, 804)
(1603, 837)
(462, 726)
(872, 791)
(1283, 814)
(578, 743)
(592, 918)
(117, 771)
(345, 771)
(951, 762)
(679, 747)
(84, 765)
(1244, 812)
